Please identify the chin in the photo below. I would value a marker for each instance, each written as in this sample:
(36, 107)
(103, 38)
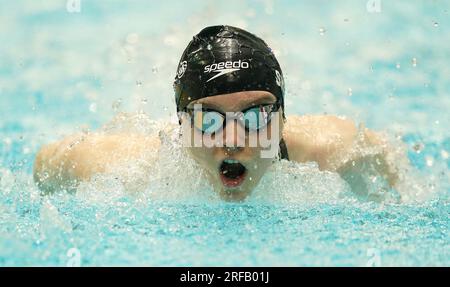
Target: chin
(234, 195)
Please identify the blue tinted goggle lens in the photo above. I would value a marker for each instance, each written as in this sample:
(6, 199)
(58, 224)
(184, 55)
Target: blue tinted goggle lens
(253, 119)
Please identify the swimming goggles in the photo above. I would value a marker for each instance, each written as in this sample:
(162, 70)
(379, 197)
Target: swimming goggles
(210, 121)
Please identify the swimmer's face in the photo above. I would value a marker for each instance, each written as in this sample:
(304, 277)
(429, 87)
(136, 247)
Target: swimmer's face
(235, 157)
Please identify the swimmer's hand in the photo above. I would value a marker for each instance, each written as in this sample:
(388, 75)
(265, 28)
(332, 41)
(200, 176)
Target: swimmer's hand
(63, 165)
(356, 153)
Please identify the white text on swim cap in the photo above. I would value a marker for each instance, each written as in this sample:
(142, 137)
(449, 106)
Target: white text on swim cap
(223, 68)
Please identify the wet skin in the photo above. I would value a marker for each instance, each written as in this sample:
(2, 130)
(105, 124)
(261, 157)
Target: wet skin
(328, 140)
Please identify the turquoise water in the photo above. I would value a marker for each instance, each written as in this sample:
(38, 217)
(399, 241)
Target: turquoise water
(63, 72)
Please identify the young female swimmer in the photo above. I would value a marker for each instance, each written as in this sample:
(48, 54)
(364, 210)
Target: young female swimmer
(229, 92)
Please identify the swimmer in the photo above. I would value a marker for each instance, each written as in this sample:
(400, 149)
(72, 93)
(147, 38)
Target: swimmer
(229, 94)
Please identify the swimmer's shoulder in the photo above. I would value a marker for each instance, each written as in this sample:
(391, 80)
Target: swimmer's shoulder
(78, 157)
(317, 137)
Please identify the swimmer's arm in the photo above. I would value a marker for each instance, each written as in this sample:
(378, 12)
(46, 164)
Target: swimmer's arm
(336, 144)
(64, 164)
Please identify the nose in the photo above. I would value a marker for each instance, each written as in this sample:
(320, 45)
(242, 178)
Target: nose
(234, 137)
(232, 150)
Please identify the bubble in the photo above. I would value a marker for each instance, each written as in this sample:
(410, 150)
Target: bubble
(144, 101)
(414, 62)
(155, 69)
(139, 83)
(397, 65)
(209, 47)
(349, 92)
(436, 24)
(444, 154)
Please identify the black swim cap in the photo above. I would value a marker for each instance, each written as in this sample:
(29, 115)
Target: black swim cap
(225, 59)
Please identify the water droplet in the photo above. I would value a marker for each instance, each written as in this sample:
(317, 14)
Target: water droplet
(418, 147)
(93, 107)
(117, 104)
(414, 62)
(429, 161)
(322, 31)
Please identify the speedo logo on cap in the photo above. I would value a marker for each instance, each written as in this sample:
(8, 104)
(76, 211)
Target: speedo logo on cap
(223, 68)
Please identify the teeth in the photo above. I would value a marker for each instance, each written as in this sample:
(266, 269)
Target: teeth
(231, 161)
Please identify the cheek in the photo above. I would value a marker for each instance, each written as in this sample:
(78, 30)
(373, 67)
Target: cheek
(200, 154)
(258, 166)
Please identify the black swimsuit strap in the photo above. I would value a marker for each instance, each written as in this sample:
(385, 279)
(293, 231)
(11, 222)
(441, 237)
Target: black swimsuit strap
(283, 153)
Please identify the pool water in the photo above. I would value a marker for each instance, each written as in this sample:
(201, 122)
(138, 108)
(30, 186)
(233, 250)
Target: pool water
(63, 71)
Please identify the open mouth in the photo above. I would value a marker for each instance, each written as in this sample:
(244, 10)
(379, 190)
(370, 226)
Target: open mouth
(232, 173)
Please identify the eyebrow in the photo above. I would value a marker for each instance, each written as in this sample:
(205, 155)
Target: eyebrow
(264, 100)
